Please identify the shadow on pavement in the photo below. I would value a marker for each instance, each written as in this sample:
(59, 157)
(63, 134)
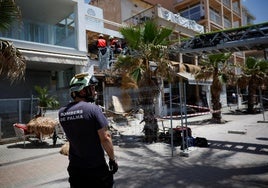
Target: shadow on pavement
(35, 145)
(239, 147)
(262, 138)
(204, 122)
(57, 182)
(150, 169)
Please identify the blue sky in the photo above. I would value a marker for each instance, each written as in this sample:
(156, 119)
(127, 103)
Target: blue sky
(258, 8)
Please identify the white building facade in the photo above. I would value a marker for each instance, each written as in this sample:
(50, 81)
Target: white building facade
(53, 38)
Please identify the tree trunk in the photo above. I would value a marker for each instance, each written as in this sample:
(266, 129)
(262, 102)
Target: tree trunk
(150, 128)
(251, 96)
(147, 93)
(215, 98)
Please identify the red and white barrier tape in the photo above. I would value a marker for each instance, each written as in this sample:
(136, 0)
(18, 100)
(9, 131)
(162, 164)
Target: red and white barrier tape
(195, 114)
(199, 107)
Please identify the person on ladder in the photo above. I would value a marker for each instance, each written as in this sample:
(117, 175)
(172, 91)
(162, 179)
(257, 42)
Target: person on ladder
(103, 53)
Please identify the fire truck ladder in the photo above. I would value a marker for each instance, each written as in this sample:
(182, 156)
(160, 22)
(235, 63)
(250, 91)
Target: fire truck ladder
(253, 37)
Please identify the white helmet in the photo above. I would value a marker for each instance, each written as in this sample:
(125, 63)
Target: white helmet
(81, 81)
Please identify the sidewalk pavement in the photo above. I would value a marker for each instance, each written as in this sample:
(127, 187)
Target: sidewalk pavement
(237, 157)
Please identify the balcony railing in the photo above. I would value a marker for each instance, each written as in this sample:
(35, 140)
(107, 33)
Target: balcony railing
(227, 23)
(236, 8)
(215, 17)
(160, 12)
(59, 34)
(227, 3)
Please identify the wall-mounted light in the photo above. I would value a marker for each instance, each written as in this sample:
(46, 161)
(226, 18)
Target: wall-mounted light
(53, 75)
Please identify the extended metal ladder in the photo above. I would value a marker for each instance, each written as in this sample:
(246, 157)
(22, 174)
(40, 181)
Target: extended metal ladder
(253, 37)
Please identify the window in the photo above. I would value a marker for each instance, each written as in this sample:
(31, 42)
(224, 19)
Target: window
(227, 3)
(193, 13)
(63, 78)
(62, 33)
(214, 16)
(65, 31)
(227, 23)
(35, 33)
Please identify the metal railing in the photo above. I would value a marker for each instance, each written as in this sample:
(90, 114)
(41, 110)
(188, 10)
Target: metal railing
(160, 12)
(19, 110)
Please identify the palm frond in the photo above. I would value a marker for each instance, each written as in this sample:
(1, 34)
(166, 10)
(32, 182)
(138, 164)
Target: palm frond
(44, 99)
(162, 36)
(9, 12)
(250, 63)
(254, 66)
(128, 82)
(166, 70)
(204, 75)
(136, 74)
(12, 63)
(150, 32)
(132, 36)
(215, 59)
(123, 62)
(263, 66)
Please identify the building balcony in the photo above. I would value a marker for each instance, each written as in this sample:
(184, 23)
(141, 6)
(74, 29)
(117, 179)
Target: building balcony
(166, 18)
(61, 34)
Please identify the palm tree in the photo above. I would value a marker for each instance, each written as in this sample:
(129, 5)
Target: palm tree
(254, 74)
(12, 63)
(142, 68)
(215, 66)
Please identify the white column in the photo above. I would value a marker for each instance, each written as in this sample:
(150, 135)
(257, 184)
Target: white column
(80, 26)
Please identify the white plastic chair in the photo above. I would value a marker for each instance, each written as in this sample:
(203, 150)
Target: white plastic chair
(21, 135)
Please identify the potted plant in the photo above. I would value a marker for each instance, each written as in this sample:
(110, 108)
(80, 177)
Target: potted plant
(45, 101)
